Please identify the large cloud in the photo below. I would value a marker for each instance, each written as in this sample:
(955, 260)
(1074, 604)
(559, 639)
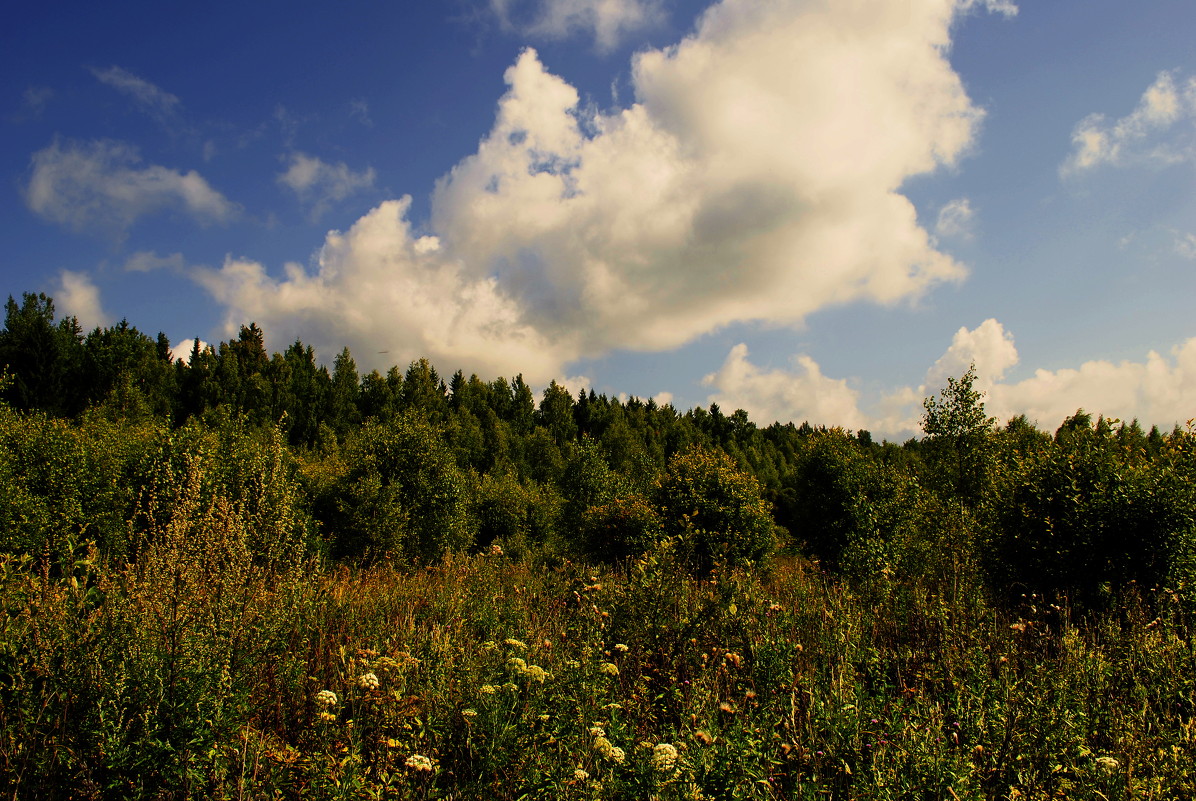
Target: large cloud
(103, 184)
(756, 178)
(391, 297)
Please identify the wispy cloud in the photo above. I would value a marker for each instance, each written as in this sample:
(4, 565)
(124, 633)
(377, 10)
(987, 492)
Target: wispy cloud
(33, 103)
(1148, 133)
(158, 103)
(956, 219)
(320, 185)
(145, 261)
(1004, 7)
(608, 21)
(103, 185)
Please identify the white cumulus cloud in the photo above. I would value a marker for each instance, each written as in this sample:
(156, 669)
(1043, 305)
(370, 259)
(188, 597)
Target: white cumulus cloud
(77, 296)
(103, 184)
(1157, 390)
(800, 394)
(320, 185)
(377, 288)
(747, 182)
(1140, 135)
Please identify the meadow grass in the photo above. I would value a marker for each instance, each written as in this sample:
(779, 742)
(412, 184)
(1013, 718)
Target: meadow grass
(491, 677)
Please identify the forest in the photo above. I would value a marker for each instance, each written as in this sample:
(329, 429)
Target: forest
(243, 574)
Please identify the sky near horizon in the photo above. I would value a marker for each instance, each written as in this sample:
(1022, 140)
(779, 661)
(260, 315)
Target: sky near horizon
(813, 210)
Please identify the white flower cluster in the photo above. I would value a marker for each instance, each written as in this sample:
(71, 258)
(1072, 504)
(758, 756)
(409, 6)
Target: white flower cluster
(419, 762)
(326, 698)
(368, 681)
(664, 757)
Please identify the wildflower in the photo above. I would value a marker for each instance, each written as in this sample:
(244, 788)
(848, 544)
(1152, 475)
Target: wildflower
(545, 718)
(326, 698)
(609, 668)
(487, 689)
(775, 607)
(517, 664)
(495, 550)
(520, 644)
(469, 713)
(385, 663)
(488, 645)
(537, 673)
(368, 681)
(612, 752)
(573, 663)
(580, 775)
(1107, 763)
(703, 737)
(509, 687)
(664, 757)
(419, 762)
(327, 717)
(727, 708)
(1018, 627)
(621, 648)
(597, 731)
(734, 658)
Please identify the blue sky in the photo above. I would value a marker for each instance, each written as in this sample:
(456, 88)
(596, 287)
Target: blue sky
(809, 210)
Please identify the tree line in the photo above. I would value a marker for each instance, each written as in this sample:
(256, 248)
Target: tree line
(107, 438)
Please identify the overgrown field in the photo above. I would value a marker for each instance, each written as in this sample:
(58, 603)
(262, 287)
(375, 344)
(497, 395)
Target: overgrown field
(491, 677)
(246, 576)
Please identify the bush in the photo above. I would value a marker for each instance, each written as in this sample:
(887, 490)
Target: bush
(715, 509)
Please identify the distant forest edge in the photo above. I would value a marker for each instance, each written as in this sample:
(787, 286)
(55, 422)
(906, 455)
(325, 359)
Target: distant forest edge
(106, 439)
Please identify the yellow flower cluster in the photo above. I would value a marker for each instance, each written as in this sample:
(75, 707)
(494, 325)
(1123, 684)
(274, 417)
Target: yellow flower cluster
(609, 668)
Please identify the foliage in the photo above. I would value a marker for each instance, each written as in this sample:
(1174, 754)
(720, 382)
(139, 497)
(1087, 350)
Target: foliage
(715, 509)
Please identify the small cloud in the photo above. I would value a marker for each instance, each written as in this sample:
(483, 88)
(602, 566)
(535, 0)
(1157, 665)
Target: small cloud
(181, 351)
(158, 103)
(1139, 135)
(575, 384)
(360, 110)
(77, 296)
(147, 261)
(955, 219)
(608, 21)
(33, 103)
(1185, 245)
(102, 184)
(663, 398)
(320, 185)
(1006, 8)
